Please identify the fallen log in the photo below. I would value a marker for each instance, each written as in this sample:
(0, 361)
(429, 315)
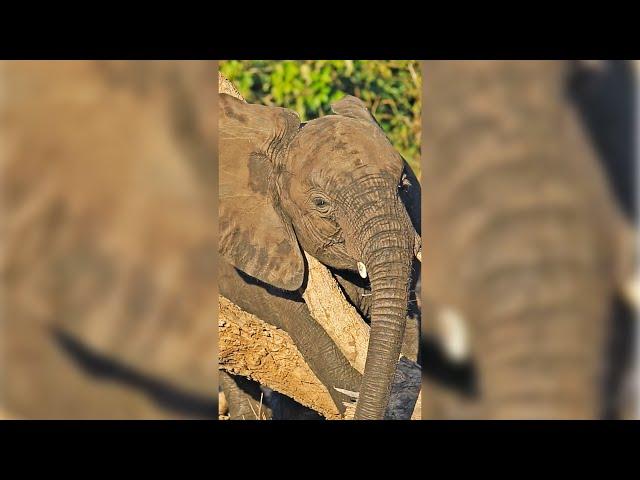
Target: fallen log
(259, 351)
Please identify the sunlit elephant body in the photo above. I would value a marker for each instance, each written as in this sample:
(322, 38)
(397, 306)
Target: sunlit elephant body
(335, 188)
(524, 243)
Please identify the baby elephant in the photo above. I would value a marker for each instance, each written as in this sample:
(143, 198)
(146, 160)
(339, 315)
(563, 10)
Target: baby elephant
(337, 189)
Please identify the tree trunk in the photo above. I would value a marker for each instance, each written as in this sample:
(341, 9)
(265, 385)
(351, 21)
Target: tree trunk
(254, 349)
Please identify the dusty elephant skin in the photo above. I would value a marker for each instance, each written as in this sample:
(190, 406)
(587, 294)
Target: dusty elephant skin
(108, 244)
(523, 239)
(336, 188)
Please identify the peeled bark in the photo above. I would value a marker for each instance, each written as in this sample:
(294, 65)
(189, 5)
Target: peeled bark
(336, 315)
(256, 350)
(223, 406)
(225, 86)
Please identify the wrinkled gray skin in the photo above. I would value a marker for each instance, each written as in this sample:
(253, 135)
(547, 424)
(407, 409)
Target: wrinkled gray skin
(336, 188)
(523, 239)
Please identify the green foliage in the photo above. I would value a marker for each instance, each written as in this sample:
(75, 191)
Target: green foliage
(390, 88)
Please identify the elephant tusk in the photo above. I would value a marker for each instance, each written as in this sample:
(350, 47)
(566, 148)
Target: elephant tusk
(417, 247)
(362, 270)
(348, 393)
(631, 291)
(454, 334)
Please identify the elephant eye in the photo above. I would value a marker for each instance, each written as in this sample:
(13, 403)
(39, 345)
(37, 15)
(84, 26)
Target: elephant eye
(321, 203)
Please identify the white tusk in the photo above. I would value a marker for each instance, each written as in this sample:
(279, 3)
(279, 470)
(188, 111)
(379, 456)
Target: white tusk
(417, 247)
(348, 393)
(362, 270)
(454, 334)
(631, 291)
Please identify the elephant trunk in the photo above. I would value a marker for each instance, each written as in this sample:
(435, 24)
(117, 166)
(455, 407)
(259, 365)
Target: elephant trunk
(387, 253)
(522, 379)
(539, 338)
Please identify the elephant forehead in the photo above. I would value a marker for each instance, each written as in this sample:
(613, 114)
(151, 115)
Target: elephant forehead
(343, 145)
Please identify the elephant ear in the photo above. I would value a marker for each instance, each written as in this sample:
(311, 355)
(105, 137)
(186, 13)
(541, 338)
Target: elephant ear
(352, 107)
(254, 235)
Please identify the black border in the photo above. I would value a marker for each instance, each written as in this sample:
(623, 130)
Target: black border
(406, 446)
(424, 36)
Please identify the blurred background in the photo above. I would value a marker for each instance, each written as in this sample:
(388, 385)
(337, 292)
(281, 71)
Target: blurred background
(391, 89)
(108, 230)
(530, 240)
(108, 211)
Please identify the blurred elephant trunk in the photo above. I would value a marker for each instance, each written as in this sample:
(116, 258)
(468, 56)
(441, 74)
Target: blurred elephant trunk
(521, 237)
(540, 334)
(387, 245)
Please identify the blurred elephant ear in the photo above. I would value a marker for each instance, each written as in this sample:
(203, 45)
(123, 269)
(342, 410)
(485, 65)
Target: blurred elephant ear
(254, 237)
(353, 107)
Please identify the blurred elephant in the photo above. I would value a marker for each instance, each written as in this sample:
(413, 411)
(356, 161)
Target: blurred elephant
(525, 245)
(604, 93)
(108, 246)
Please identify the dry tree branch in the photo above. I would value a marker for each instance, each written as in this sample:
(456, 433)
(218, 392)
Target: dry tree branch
(254, 349)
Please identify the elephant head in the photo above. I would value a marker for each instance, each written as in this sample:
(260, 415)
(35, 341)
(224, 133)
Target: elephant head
(334, 187)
